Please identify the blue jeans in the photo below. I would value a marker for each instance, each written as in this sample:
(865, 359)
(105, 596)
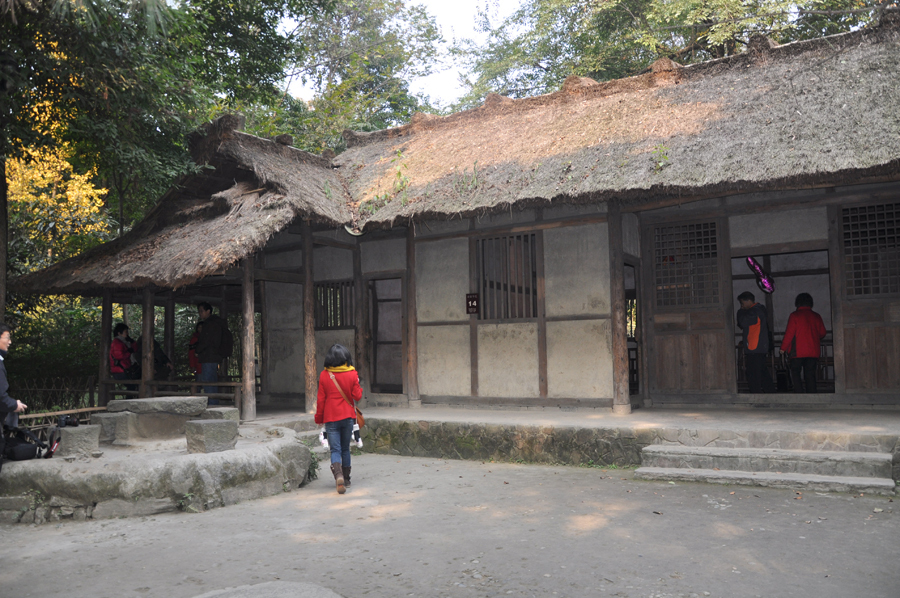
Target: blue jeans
(209, 372)
(339, 434)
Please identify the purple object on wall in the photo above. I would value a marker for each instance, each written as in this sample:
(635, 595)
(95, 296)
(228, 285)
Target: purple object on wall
(765, 282)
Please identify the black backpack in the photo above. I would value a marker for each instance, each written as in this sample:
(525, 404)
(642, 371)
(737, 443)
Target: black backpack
(19, 444)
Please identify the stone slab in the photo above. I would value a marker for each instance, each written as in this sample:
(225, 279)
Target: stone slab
(211, 435)
(78, 440)
(231, 413)
(834, 463)
(107, 423)
(273, 589)
(819, 483)
(115, 508)
(134, 428)
(192, 406)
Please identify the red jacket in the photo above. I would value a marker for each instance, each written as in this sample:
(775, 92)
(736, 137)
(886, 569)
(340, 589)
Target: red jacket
(331, 407)
(805, 329)
(193, 360)
(119, 352)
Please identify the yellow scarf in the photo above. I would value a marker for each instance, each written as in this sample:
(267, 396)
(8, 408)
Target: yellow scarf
(342, 368)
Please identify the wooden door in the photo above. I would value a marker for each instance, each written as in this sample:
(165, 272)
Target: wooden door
(387, 331)
(688, 332)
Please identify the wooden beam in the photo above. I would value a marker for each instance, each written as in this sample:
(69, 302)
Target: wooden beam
(147, 317)
(105, 340)
(473, 319)
(248, 345)
(169, 331)
(618, 323)
(838, 292)
(309, 320)
(361, 336)
(412, 351)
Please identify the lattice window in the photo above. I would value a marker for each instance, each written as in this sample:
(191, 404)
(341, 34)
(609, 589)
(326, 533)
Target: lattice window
(872, 249)
(334, 305)
(686, 264)
(507, 277)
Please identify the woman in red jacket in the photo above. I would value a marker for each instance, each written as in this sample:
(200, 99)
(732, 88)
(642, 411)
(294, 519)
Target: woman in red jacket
(338, 389)
(802, 340)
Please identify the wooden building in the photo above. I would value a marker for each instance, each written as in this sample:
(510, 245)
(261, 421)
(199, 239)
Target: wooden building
(577, 249)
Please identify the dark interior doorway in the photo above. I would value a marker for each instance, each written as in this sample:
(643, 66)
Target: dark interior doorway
(794, 273)
(631, 329)
(386, 320)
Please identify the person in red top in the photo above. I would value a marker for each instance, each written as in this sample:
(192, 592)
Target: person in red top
(193, 360)
(338, 390)
(802, 340)
(121, 350)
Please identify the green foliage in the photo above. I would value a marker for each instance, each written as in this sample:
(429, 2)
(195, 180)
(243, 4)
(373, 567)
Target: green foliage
(545, 41)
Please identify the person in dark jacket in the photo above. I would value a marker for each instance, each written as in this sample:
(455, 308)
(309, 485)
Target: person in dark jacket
(802, 342)
(9, 406)
(752, 319)
(209, 340)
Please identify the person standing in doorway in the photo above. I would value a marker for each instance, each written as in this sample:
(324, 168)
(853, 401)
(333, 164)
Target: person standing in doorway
(209, 341)
(123, 365)
(9, 407)
(802, 342)
(752, 319)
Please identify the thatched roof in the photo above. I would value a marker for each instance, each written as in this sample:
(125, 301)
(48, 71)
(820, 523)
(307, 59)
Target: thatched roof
(819, 112)
(210, 221)
(812, 113)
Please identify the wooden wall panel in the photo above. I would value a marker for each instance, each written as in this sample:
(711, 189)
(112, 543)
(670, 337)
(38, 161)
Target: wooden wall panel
(887, 358)
(686, 362)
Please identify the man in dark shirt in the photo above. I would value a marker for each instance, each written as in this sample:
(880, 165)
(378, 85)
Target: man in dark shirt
(752, 319)
(209, 342)
(8, 405)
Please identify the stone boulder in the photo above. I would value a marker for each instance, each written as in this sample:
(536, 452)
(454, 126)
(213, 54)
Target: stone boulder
(211, 435)
(79, 441)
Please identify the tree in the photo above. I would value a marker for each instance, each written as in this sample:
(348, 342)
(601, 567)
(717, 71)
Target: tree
(545, 41)
(359, 60)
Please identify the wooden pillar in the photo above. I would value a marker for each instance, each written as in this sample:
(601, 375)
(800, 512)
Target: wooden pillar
(360, 313)
(147, 345)
(263, 342)
(618, 317)
(169, 332)
(105, 340)
(838, 291)
(248, 344)
(543, 386)
(412, 322)
(309, 319)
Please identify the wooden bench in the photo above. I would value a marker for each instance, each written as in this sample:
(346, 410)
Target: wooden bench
(39, 423)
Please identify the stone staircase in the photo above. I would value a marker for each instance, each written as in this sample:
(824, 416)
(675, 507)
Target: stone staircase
(867, 472)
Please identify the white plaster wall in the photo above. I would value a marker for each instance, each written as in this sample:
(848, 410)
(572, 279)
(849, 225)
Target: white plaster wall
(576, 270)
(326, 338)
(284, 307)
(444, 360)
(753, 230)
(442, 280)
(508, 360)
(505, 218)
(631, 234)
(288, 260)
(441, 227)
(378, 256)
(579, 359)
(332, 263)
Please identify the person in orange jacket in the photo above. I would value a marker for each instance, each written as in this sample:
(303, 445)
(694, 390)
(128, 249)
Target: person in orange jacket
(802, 342)
(339, 390)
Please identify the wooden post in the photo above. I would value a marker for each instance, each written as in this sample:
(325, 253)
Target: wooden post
(618, 317)
(543, 385)
(264, 341)
(309, 319)
(248, 345)
(361, 338)
(169, 332)
(412, 322)
(838, 291)
(105, 340)
(147, 345)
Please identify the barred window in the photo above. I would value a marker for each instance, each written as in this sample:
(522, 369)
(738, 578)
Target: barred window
(871, 249)
(686, 264)
(507, 277)
(334, 305)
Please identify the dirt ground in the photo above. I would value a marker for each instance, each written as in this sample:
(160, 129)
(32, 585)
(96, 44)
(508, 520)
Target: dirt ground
(426, 527)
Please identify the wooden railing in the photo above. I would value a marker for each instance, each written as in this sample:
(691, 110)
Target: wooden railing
(178, 388)
(40, 423)
(779, 367)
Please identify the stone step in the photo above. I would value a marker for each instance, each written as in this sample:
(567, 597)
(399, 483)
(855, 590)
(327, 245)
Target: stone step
(821, 483)
(826, 463)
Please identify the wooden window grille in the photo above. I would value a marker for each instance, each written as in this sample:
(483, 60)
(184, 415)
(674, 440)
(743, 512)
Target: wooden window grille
(507, 277)
(872, 249)
(686, 265)
(335, 305)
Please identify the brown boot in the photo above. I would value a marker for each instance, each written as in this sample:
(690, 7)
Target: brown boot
(338, 477)
(346, 471)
